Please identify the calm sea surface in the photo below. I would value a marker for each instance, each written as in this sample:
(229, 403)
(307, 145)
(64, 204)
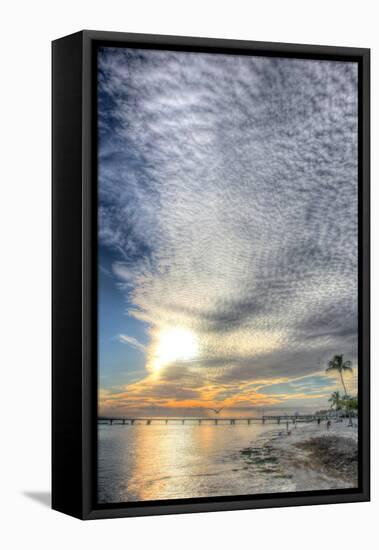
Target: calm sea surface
(174, 461)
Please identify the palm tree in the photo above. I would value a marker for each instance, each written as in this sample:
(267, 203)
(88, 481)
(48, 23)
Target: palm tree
(335, 400)
(339, 365)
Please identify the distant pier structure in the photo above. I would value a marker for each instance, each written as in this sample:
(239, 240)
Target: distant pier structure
(274, 419)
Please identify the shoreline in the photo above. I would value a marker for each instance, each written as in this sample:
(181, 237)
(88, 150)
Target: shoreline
(308, 457)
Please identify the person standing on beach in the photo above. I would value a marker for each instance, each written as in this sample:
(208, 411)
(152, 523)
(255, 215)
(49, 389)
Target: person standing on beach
(328, 425)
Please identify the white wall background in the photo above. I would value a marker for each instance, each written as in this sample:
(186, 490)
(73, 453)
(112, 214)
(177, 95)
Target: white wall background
(27, 29)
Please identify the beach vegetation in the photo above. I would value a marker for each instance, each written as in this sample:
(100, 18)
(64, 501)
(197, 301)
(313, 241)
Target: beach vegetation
(336, 401)
(338, 364)
(350, 404)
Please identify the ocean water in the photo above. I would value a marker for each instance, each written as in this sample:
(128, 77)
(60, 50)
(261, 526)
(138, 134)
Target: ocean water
(154, 462)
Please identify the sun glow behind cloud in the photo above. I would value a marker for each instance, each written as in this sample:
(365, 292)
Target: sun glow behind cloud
(228, 196)
(175, 344)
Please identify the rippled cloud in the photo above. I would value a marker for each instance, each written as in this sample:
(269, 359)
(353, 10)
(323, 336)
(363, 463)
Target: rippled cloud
(228, 194)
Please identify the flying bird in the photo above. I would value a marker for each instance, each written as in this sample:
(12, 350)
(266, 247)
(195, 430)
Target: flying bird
(217, 411)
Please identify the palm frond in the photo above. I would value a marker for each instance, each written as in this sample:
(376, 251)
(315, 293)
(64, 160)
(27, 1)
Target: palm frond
(331, 366)
(346, 367)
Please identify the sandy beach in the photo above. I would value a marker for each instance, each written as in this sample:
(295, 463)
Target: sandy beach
(149, 462)
(309, 457)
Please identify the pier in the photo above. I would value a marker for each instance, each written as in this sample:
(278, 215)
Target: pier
(274, 419)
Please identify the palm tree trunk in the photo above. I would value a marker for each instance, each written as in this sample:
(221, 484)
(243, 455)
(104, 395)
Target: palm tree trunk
(343, 383)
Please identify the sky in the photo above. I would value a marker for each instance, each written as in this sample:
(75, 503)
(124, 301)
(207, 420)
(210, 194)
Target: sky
(227, 231)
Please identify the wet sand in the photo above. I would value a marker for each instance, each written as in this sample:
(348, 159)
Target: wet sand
(309, 457)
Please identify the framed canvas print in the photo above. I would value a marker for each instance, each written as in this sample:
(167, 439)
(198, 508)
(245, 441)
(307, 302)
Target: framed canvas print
(210, 274)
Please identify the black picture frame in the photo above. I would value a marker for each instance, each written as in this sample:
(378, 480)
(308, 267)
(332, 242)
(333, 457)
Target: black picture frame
(74, 273)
